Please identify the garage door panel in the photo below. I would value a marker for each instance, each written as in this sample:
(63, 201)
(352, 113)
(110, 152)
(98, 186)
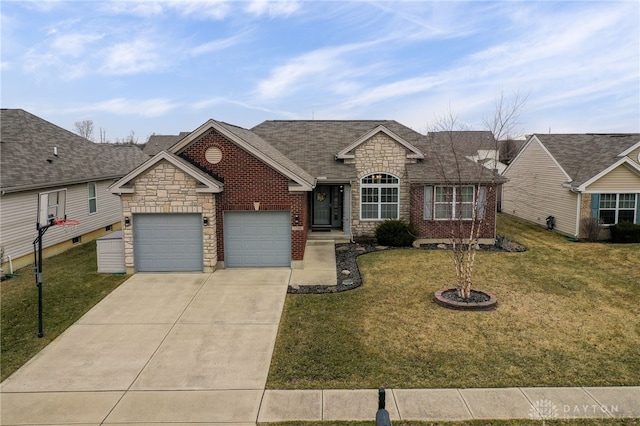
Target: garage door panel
(168, 242)
(257, 239)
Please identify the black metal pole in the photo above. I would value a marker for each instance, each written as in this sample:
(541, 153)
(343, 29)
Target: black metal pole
(39, 281)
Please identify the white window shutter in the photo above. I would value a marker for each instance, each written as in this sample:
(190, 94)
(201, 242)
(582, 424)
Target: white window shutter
(482, 201)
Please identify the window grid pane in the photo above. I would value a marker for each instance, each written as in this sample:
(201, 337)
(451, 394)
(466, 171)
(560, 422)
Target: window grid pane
(627, 201)
(379, 196)
(608, 201)
(625, 216)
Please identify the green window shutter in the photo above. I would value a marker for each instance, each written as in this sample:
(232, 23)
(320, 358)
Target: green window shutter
(428, 203)
(595, 205)
(482, 201)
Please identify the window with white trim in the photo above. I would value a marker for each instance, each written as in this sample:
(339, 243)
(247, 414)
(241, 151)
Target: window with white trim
(616, 208)
(438, 202)
(379, 197)
(93, 197)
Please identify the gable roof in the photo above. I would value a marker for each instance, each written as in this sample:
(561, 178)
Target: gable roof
(28, 160)
(347, 152)
(206, 183)
(256, 146)
(584, 156)
(157, 143)
(314, 144)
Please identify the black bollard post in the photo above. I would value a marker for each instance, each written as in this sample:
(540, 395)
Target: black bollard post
(382, 416)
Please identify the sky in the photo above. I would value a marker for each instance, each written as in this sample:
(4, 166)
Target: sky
(168, 66)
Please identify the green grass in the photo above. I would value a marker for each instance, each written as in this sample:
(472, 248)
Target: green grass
(567, 316)
(71, 286)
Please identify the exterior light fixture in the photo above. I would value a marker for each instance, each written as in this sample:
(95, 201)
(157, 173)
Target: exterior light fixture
(205, 221)
(127, 221)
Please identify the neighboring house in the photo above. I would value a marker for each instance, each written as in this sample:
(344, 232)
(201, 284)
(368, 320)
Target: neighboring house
(575, 176)
(38, 156)
(228, 196)
(157, 143)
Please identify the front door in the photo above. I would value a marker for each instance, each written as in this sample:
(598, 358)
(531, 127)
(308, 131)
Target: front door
(322, 206)
(327, 206)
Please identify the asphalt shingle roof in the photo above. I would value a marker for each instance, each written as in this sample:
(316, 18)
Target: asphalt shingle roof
(583, 156)
(27, 145)
(313, 144)
(157, 143)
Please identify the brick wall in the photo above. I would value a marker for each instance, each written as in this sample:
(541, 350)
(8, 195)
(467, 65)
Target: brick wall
(166, 189)
(248, 180)
(441, 230)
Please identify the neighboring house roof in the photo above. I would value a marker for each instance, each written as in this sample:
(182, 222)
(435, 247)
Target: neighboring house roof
(157, 143)
(583, 156)
(206, 183)
(29, 145)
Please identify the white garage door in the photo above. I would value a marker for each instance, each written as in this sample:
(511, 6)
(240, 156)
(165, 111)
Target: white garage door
(167, 242)
(257, 239)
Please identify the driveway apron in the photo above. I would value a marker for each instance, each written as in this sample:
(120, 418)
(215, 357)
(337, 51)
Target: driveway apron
(161, 348)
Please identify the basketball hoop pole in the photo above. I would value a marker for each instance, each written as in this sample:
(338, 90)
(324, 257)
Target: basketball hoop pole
(37, 270)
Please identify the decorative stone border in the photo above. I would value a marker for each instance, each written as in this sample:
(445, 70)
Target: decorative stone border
(465, 306)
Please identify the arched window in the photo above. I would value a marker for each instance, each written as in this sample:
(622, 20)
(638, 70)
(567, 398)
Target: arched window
(379, 197)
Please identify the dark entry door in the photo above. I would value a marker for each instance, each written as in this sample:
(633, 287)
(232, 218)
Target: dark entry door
(327, 206)
(322, 205)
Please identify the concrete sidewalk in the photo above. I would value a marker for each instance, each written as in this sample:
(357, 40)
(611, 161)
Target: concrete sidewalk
(452, 404)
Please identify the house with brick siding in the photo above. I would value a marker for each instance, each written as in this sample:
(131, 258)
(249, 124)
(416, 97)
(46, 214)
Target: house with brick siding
(575, 178)
(226, 196)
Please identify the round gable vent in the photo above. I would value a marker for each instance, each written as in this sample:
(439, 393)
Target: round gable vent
(213, 155)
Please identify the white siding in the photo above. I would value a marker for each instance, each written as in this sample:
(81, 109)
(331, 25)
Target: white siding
(18, 215)
(534, 190)
(633, 155)
(621, 179)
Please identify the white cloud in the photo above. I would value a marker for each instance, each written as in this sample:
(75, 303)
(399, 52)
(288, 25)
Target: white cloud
(216, 45)
(73, 44)
(154, 107)
(132, 57)
(272, 8)
(308, 69)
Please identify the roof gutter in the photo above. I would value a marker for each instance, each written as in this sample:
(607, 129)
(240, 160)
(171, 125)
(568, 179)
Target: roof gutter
(31, 187)
(571, 187)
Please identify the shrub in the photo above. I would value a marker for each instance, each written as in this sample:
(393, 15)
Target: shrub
(625, 232)
(591, 228)
(396, 233)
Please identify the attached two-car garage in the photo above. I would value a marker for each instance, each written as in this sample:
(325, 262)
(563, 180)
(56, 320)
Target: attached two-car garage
(173, 242)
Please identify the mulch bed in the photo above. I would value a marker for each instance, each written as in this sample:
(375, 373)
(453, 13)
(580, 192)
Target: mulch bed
(347, 255)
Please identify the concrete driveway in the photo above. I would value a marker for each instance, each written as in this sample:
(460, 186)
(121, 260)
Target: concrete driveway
(161, 348)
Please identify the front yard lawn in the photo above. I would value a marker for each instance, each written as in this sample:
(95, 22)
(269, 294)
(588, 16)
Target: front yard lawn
(71, 286)
(567, 316)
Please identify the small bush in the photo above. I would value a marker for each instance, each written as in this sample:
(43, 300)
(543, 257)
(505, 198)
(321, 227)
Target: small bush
(395, 233)
(625, 233)
(591, 228)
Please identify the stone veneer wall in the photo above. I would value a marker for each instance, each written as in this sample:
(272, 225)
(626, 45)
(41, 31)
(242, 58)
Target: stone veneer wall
(380, 154)
(166, 189)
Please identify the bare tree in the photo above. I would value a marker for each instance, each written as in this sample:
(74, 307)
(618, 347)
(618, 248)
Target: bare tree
(130, 139)
(469, 187)
(85, 129)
